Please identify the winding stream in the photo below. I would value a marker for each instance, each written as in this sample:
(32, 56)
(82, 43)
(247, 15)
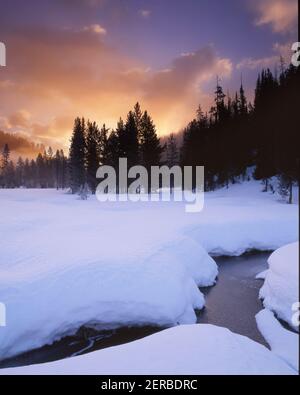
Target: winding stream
(231, 303)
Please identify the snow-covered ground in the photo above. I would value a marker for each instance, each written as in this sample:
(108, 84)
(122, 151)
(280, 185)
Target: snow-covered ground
(284, 343)
(280, 292)
(243, 218)
(66, 262)
(188, 349)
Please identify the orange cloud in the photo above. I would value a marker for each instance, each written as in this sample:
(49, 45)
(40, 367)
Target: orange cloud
(58, 75)
(282, 15)
(95, 28)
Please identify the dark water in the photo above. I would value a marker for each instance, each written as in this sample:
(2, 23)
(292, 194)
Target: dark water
(231, 303)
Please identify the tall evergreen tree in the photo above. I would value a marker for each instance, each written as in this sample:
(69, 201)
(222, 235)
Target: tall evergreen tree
(92, 154)
(151, 149)
(77, 156)
(172, 151)
(5, 156)
(130, 142)
(137, 112)
(243, 106)
(104, 155)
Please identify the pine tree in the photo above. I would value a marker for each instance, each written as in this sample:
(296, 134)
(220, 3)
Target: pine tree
(4, 168)
(130, 142)
(243, 106)
(121, 136)
(137, 113)
(104, 154)
(77, 156)
(92, 154)
(20, 172)
(172, 151)
(5, 156)
(113, 150)
(151, 149)
(220, 109)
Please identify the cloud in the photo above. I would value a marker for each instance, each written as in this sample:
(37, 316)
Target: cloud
(19, 119)
(281, 15)
(280, 50)
(255, 64)
(58, 75)
(95, 28)
(82, 3)
(145, 13)
(180, 89)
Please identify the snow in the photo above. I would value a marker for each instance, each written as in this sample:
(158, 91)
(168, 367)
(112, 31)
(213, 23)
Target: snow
(184, 350)
(66, 262)
(261, 275)
(284, 343)
(243, 218)
(280, 291)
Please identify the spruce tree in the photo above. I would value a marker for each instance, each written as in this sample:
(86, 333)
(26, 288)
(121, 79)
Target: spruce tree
(151, 149)
(243, 107)
(5, 156)
(104, 151)
(138, 119)
(130, 142)
(172, 151)
(77, 156)
(92, 154)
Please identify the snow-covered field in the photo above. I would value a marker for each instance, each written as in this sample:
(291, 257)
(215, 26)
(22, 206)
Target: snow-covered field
(280, 292)
(66, 262)
(187, 349)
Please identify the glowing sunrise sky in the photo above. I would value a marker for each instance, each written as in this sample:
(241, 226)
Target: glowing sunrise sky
(97, 58)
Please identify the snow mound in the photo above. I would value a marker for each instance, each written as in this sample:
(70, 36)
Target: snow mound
(40, 311)
(283, 343)
(183, 350)
(66, 263)
(280, 292)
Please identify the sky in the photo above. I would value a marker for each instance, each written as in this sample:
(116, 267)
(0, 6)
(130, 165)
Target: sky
(97, 58)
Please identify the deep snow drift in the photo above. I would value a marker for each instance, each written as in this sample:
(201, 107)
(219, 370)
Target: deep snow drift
(66, 262)
(284, 343)
(187, 349)
(280, 292)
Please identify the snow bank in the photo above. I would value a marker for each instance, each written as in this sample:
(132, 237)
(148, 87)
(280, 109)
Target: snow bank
(283, 343)
(281, 287)
(261, 275)
(185, 350)
(66, 263)
(43, 309)
(242, 218)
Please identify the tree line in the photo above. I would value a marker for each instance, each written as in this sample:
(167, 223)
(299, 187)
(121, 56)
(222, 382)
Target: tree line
(236, 135)
(231, 138)
(48, 170)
